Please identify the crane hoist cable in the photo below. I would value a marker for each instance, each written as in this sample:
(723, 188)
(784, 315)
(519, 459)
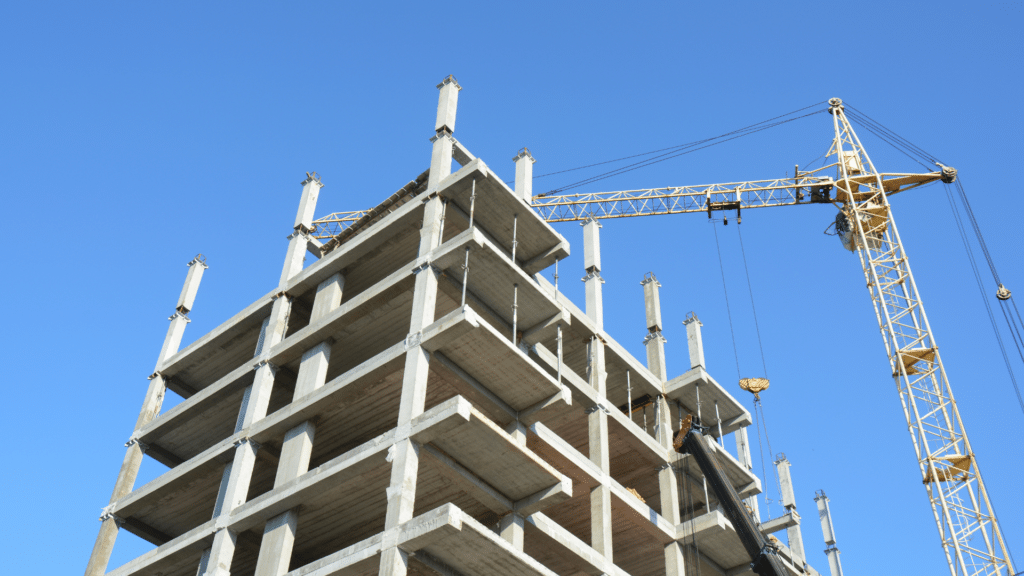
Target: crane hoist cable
(981, 291)
(758, 405)
(753, 308)
(759, 418)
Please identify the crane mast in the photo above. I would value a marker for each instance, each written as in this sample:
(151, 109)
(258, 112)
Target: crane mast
(949, 469)
(971, 538)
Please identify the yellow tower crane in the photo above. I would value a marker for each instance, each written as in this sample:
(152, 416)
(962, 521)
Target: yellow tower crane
(970, 534)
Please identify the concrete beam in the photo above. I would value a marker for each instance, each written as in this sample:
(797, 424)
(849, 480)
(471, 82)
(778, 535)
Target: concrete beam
(781, 523)
(474, 391)
(644, 516)
(461, 154)
(595, 563)
(546, 329)
(486, 494)
(182, 550)
(545, 498)
(145, 531)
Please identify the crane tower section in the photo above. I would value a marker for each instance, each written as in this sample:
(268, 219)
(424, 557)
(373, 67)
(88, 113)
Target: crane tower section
(971, 538)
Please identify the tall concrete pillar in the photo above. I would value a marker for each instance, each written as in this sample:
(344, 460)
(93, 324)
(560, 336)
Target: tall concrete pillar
(279, 533)
(654, 341)
(592, 266)
(796, 540)
(831, 551)
(524, 175)
(444, 127)
(597, 418)
(694, 341)
(151, 405)
(401, 493)
(299, 239)
(743, 452)
(237, 475)
(597, 424)
(668, 486)
(512, 526)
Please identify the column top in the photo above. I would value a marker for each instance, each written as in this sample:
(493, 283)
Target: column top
(524, 152)
(449, 80)
(312, 177)
(199, 259)
(650, 277)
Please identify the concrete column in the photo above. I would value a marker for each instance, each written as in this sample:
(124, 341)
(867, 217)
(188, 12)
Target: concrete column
(440, 160)
(151, 405)
(796, 540)
(444, 127)
(447, 103)
(654, 341)
(694, 341)
(256, 399)
(404, 455)
(524, 175)
(511, 527)
(743, 453)
(279, 533)
(299, 239)
(592, 265)
(597, 424)
(825, 515)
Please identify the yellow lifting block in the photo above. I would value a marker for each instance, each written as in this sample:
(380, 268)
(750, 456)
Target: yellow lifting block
(754, 385)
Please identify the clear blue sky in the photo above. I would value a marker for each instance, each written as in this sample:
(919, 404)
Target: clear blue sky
(135, 135)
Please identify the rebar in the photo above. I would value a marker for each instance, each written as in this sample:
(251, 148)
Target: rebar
(465, 276)
(472, 204)
(515, 311)
(515, 225)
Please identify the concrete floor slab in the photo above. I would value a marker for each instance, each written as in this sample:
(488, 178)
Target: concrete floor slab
(494, 209)
(683, 388)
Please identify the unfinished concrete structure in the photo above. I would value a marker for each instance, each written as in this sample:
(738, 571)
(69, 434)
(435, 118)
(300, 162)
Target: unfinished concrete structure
(421, 400)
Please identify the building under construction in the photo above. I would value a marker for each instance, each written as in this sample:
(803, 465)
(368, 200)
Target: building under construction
(420, 399)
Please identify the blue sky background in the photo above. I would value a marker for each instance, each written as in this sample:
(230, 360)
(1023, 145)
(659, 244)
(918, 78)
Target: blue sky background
(135, 135)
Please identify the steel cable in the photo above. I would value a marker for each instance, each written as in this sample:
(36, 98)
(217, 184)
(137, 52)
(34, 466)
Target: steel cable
(678, 146)
(981, 292)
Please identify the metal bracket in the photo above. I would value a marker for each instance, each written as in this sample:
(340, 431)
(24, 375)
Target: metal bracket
(108, 515)
(265, 362)
(179, 313)
(256, 445)
(413, 340)
(652, 335)
(133, 440)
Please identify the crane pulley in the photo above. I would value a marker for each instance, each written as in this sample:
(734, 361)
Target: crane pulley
(971, 538)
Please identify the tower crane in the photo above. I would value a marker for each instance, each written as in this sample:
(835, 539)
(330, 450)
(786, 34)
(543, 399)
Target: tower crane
(971, 538)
